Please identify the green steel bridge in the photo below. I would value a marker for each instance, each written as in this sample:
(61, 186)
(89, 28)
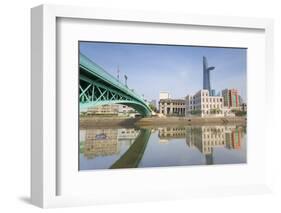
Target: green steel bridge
(97, 87)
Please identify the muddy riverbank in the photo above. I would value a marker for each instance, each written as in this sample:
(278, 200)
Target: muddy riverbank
(89, 122)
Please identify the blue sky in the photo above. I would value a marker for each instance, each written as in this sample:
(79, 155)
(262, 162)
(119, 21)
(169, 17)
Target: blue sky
(175, 69)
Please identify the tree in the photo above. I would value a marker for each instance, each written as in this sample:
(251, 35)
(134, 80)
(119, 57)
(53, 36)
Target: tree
(153, 107)
(195, 112)
(215, 111)
(238, 112)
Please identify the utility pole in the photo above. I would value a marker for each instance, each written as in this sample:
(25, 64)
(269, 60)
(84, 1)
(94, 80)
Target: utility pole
(126, 78)
(118, 71)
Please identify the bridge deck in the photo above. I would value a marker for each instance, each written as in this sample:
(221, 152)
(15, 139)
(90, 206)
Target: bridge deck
(94, 69)
(98, 87)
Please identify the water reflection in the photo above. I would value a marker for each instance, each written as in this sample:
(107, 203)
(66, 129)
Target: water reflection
(106, 142)
(161, 146)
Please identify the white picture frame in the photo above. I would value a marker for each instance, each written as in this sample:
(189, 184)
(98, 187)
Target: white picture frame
(44, 135)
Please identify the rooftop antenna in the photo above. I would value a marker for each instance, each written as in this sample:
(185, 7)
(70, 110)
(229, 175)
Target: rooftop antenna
(118, 71)
(126, 78)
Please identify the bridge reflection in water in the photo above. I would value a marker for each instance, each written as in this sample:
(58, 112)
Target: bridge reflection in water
(161, 146)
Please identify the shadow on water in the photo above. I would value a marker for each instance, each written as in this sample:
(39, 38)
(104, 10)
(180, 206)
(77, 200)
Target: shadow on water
(132, 157)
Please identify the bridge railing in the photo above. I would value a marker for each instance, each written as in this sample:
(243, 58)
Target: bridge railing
(90, 66)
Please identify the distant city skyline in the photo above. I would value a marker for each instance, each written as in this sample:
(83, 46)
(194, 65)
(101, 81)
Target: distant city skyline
(176, 69)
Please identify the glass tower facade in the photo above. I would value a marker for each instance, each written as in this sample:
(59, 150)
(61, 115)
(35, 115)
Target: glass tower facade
(206, 75)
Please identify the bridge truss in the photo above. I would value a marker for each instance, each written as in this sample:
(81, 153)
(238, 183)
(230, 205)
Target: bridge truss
(96, 90)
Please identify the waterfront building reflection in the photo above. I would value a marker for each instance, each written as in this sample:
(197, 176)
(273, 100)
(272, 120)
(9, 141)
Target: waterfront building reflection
(106, 142)
(204, 138)
(171, 132)
(100, 142)
(128, 148)
(127, 136)
(233, 137)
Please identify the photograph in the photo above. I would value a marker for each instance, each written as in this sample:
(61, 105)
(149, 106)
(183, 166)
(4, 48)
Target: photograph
(161, 105)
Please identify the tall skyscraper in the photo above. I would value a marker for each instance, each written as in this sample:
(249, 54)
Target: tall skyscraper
(206, 75)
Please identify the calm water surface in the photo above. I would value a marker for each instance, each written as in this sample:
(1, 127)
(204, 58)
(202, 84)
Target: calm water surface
(162, 146)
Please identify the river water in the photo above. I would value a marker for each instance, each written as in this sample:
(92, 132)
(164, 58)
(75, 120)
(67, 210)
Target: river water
(162, 146)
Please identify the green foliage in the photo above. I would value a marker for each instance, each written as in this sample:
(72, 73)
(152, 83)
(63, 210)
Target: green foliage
(176, 115)
(153, 107)
(195, 112)
(81, 147)
(83, 114)
(215, 111)
(238, 112)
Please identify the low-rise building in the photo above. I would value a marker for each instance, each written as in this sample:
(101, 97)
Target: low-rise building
(231, 98)
(164, 95)
(174, 107)
(124, 109)
(203, 104)
(110, 109)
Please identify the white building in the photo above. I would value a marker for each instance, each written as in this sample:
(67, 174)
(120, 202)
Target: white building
(174, 107)
(124, 109)
(108, 109)
(204, 105)
(164, 95)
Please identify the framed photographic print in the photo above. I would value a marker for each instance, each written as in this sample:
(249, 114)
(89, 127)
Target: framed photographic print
(120, 128)
(149, 106)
